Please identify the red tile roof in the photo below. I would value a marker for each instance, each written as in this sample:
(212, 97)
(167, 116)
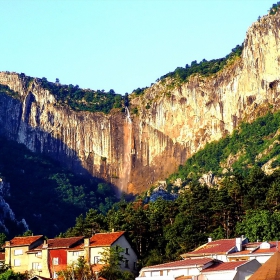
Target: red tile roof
(23, 241)
(105, 239)
(221, 246)
(182, 263)
(223, 266)
(64, 242)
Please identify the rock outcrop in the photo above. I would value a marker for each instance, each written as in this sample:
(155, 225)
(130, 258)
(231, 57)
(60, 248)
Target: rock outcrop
(135, 151)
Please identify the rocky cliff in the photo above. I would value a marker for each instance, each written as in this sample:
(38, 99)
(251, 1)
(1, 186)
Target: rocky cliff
(174, 120)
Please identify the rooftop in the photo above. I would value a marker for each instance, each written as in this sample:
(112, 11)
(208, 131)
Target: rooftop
(105, 239)
(23, 241)
(220, 246)
(218, 266)
(181, 263)
(64, 242)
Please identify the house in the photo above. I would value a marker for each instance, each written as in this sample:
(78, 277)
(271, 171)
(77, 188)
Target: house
(175, 270)
(98, 243)
(218, 249)
(53, 253)
(200, 269)
(45, 258)
(16, 251)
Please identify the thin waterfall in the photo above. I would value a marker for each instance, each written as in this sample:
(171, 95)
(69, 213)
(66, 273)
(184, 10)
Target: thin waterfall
(127, 152)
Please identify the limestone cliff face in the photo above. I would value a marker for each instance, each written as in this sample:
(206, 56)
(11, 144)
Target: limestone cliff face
(135, 151)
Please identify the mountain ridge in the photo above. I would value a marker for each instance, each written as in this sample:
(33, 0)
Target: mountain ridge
(170, 122)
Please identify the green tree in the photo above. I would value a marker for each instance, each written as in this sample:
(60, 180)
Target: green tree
(260, 225)
(3, 238)
(9, 274)
(77, 271)
(112, 258)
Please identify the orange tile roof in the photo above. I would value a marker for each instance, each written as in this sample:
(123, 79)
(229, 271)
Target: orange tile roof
(105, 239)
(223, 266)
(218, 246)
(182, 263)
(64, 242)
(23, 240)
(270, 270)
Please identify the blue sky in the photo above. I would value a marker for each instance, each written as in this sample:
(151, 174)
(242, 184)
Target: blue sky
(119, 44)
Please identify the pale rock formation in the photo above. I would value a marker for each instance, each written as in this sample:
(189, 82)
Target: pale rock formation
(135, 151)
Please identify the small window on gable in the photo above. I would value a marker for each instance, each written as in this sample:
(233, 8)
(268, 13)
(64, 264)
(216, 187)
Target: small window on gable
(18, 252)
(16, 262)
(126, 251)
(55, 261)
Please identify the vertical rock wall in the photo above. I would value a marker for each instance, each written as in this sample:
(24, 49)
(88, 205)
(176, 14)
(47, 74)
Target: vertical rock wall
(134, 152)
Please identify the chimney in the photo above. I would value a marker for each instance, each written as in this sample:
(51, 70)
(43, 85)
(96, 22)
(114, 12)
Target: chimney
(45, 244)
(209, 239)
(86, 242)
(238, 244)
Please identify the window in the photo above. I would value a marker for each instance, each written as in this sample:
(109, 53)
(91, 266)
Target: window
(39, 254)
(126, 264)
(16, 262)
(55, 261)
(18, 252)
(36, 266)
(76, 253)
(54, 275)
(135, 266)
(126, 251)
(96, 259)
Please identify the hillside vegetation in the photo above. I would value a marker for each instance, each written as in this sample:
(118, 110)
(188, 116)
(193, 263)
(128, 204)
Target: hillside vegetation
(244, 201)
(44, 193)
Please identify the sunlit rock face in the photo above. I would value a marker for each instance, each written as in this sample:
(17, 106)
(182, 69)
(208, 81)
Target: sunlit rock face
(133, 152)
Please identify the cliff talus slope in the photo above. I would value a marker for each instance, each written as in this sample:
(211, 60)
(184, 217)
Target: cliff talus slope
(135, 151)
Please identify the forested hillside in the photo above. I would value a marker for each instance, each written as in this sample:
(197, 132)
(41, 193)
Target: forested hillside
(44, 193)
(243, 201)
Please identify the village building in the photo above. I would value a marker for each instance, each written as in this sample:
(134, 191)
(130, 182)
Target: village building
(98, 243)
(45, 258)
(200, 269)
(218, 249)
(16, 251)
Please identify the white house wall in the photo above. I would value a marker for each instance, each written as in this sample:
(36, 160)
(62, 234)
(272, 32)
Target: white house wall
(123, 243)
